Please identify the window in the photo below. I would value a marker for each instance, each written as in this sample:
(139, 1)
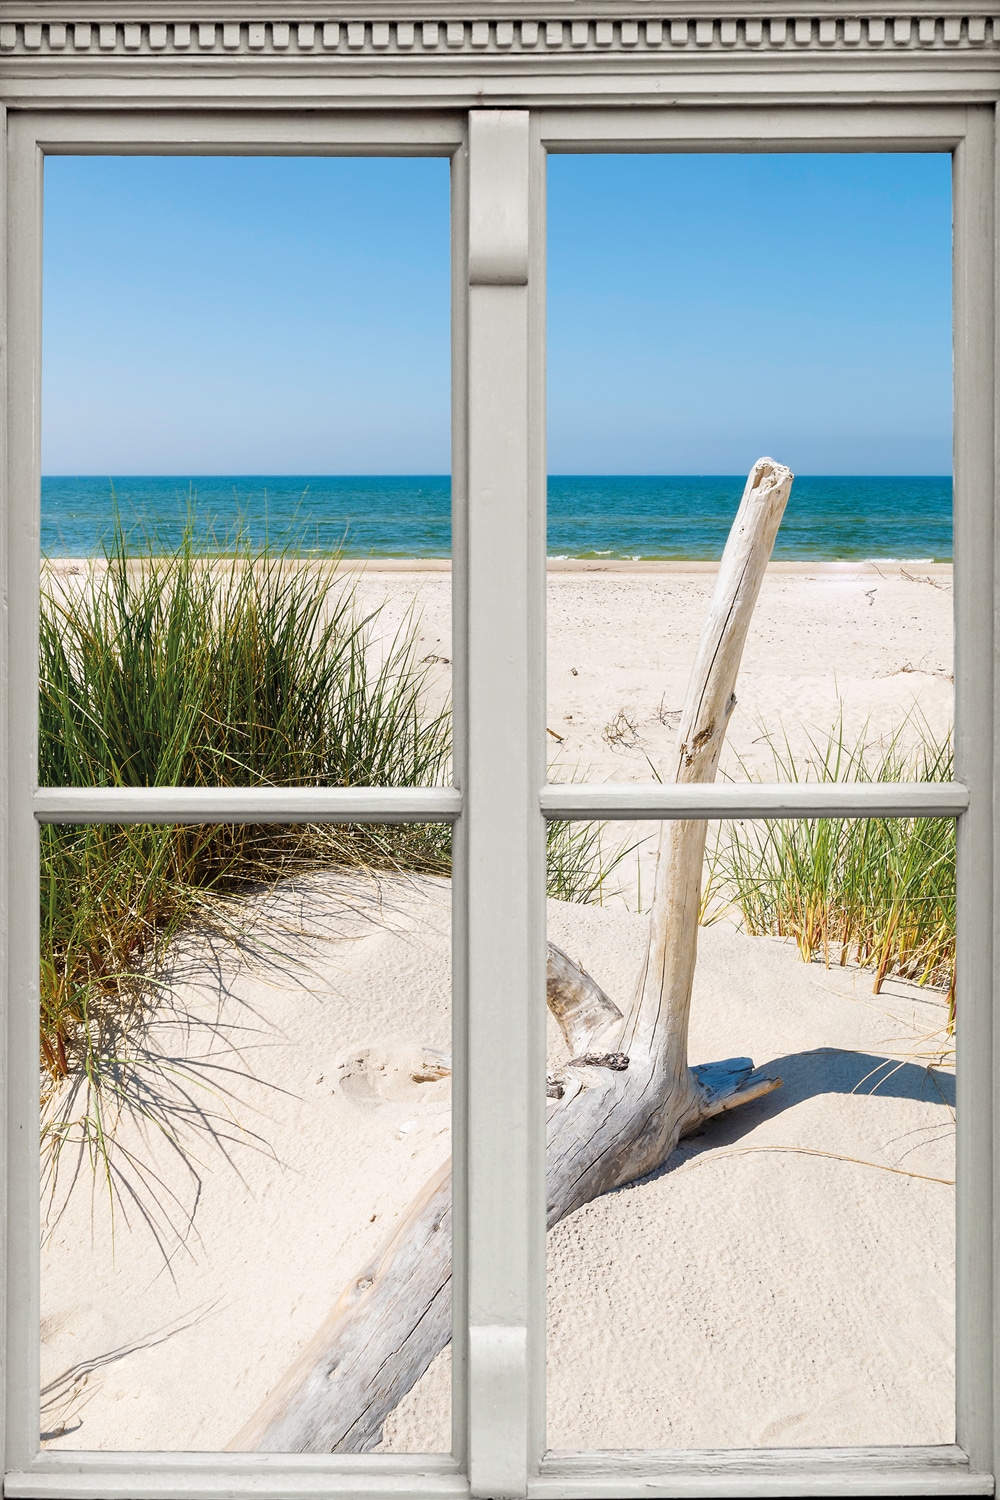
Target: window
(497, 136)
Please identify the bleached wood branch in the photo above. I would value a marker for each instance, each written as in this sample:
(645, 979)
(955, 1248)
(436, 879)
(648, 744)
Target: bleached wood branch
(577, 1001)
(619, 1106)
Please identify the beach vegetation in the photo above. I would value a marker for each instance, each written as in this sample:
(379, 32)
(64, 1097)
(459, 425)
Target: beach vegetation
(877, 892)
(179, 670)
(247, 668)
(579, 860)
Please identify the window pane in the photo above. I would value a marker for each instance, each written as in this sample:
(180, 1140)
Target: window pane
(246, 1063)
(247, 360)
(784, 1275)
(737, 306)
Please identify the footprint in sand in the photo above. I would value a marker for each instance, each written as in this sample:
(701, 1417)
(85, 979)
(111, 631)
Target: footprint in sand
(370, 1076)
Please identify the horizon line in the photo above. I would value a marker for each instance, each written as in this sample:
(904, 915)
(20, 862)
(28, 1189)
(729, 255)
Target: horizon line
(582, 474)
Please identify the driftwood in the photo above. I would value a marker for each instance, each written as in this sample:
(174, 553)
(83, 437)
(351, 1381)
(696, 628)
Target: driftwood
(617, 1109)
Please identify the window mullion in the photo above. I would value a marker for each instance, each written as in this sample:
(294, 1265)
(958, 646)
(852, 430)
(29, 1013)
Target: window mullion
(503, 834)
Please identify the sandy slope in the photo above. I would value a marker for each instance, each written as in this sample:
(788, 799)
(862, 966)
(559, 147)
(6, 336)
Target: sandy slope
(751, 1293)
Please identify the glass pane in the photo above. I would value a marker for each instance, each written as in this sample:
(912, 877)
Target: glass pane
(783, 1274)
(246, 1060)
(737, 306)
(246, 491)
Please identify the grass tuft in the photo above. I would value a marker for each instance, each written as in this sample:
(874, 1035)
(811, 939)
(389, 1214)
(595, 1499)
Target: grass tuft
(578, 863)
(248, 670)
(878, 891)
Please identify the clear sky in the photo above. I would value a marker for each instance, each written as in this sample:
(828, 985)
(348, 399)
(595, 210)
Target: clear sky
(291, 316)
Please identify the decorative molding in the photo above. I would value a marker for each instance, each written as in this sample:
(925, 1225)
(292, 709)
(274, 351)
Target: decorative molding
(497, 38)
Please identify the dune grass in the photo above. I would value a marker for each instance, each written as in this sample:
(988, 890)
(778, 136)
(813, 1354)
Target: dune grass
(180, 671)
(879, 892)
(249, 669)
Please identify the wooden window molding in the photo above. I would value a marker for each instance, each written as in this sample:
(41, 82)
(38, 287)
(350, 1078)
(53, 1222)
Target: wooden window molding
(496, 88)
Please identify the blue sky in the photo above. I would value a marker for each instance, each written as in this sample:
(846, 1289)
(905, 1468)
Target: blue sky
(291, 316)
(705, 310)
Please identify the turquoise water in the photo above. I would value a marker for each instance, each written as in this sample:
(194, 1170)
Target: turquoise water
(631, 516)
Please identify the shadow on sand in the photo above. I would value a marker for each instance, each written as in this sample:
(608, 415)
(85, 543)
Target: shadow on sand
(805, 1075)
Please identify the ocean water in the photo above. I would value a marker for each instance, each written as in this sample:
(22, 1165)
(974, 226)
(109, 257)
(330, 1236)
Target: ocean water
(632, 516)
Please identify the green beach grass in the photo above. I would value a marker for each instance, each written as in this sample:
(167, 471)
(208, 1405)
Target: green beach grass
(255, 670)
(879, 892)
(178, 671)
(244, 670)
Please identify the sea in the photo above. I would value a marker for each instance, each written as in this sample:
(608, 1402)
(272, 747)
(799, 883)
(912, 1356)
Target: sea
(673, 516)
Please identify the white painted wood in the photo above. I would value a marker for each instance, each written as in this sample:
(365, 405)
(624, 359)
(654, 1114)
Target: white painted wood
(273, 105)
(499, 1398)
(609, 28)
(755, 799)
(195, 1476)
(504, 832)
(460, 735)
(724, 1461)
(368, 83)
(19, 684)
(210, 1481)
(355, 804)
(7, 1190)
(213, 1484)
(976, 753)
(761, 1472)
(698, 1479)
(538, 486)
(498, 196)
(901, 127)
(632, 800)
(199, 1476)
(82, 131)
(809, 55)
(691, 1483)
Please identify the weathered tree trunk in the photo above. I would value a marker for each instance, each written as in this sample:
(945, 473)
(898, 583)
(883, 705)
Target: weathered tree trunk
(618, 1107)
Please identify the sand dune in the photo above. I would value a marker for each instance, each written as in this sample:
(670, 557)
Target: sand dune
(752, 1292)
(787, 1278)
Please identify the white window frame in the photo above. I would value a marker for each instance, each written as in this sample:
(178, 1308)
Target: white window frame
(500, 803)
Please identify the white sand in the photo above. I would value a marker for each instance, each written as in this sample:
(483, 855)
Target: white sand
(863, 643)
(866, 642)
(836, 641)
(289, 1166)
(739, 1297)
(752, 1293)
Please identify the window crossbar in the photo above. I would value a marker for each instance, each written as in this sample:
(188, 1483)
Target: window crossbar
(265, 804)
(801, 799)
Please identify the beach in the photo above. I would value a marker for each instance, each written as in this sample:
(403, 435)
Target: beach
(786, 1279)
(865, 645)
(858, 648)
